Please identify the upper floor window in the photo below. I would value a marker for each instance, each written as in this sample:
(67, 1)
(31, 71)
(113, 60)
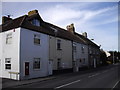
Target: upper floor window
(74, 47)
(36, 22)
(8, 63)
(9, 38)
(82, 48)
(58, 44)
(37, 39)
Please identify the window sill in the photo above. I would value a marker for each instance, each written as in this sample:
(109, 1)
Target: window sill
(36, 69)
(37, 44)
(59, 49)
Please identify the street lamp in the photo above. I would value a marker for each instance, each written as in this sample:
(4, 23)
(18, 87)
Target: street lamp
(113, 58)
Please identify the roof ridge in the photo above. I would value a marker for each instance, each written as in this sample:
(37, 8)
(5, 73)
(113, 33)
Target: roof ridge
(55, 26)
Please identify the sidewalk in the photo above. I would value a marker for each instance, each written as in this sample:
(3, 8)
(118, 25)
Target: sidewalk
(8, 83)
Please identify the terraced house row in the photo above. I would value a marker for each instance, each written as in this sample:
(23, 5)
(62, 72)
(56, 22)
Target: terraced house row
(31, 48)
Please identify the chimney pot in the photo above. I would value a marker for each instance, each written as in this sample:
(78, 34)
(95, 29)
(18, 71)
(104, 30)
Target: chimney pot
(84, 34)
(70, 28)
(5, 19)
(32, 12)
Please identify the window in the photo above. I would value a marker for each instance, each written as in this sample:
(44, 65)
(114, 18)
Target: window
(36, 63)
(74, 47)
(9, 38)
(36, 22)
(83, 60)
(59, 63)
(80, 60)
(82, 48)
(8, 63)
(37, 39)
(58, 44)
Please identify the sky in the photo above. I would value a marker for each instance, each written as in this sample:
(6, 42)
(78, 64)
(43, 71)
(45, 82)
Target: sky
(98, 19)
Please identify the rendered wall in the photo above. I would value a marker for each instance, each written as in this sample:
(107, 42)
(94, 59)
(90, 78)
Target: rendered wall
(29, 51)
(65, 54)
(10, 51)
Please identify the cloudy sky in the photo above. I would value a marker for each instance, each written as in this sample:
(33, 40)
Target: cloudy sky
(98, 19)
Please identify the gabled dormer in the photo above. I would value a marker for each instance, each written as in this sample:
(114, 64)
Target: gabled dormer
(34, 18)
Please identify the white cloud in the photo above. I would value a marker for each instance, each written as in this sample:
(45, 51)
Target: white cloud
(62, 15)
(84, 18)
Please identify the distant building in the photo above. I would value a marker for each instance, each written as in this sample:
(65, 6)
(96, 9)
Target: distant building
(31, 47)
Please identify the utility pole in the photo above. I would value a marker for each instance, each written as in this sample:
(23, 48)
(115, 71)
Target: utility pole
(113, 58)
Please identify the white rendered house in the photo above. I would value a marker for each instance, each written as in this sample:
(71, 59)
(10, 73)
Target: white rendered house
(31, 48)
(23, 51)
(24, 54)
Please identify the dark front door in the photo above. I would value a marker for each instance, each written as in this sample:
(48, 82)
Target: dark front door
(26, 68)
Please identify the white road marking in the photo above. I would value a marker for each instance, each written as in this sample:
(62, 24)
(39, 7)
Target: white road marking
(94, 75)
(116, 84)
(67, 84)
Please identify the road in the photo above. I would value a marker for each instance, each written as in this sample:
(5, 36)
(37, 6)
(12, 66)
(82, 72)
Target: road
(105, 77)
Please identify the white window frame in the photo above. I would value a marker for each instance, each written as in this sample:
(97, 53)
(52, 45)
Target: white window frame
(37, 38)
(74, 47)
(59, 44)
(83, 49)
(9, 38)
(34, 64)
(7, 62)
(36, 22)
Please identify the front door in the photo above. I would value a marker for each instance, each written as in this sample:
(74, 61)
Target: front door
(26, 68)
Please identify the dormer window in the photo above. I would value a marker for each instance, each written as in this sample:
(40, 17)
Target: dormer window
(36, 22)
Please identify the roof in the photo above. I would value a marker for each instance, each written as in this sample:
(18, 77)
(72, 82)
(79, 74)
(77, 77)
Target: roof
(15, 23)
(88, 41)
(45, 27)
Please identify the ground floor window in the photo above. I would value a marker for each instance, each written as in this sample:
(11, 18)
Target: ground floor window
(59, 63)
(36, 63)
(83, 60)
(8, 63)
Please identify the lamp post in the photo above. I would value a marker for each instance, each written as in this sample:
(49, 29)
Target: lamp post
(113, 58)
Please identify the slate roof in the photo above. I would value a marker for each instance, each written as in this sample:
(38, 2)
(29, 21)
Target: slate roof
(45, 27)
(88, 41)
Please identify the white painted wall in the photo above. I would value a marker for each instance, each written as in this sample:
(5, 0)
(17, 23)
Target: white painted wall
(29, 51)
(65, 54)
(10, 51)
(80, 55)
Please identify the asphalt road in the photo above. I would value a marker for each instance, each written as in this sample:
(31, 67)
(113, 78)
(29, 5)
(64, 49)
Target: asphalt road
(105, 77)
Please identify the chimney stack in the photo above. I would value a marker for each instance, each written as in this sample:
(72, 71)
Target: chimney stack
(5, 19)
(32, 12)
(84, 34)
(71, 28)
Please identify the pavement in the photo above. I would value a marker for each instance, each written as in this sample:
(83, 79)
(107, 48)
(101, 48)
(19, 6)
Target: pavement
(8, 83)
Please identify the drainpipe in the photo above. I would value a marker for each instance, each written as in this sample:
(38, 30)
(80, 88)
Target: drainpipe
(72, 56)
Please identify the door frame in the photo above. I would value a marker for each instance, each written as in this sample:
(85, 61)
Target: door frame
(24, 68)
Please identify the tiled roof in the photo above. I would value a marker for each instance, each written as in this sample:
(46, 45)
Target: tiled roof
(89, 42)
(45, 27)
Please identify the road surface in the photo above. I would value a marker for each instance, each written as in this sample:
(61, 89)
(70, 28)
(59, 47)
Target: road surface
(105, 77)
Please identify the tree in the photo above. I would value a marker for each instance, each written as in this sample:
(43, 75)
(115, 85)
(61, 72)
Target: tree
(114, 56)
(103, 58)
